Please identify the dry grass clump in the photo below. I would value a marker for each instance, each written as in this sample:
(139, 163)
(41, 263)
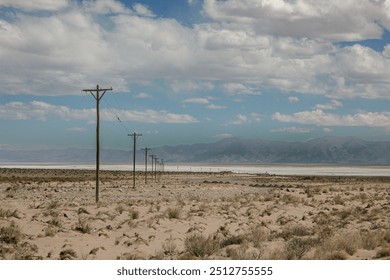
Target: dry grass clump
(174, 212)
(11, 234)
(83, 226)
(6, 213)
(297, 247)
(68, 254)
(198, 245)
(244, 252)
(12, 246)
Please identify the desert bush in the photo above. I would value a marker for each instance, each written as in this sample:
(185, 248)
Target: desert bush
(26, 251)
(68, 254)
(372, 239)
(173, 213)
(134, 214)
(201, 246)
(233, 239)
(6, 213)
(11, 234)
(83, 226)
(383, 253)
(297, 247)
(257, 235)
(244, 252)
(120, 208)
(53, 204)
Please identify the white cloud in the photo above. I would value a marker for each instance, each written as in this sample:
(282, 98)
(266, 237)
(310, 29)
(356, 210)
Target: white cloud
(293, 99)
(238, 89)
(143, 10)
(223, 135)
(334, 104)
(327, 19)
(244, 49)
(292, 129)
(245, 119)
(41, 111)
(215, 107)
(36, 5)
(188, 85)
(197, 101)
(105, 7)
(142, 95)
(321, 118)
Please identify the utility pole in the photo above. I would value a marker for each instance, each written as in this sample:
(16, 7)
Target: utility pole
(152, 156)
(146, 164)
(162, 168)
(97, 97)
(134, 136)
(155, 169)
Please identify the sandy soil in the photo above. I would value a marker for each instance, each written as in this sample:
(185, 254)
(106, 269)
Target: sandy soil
(52, 214)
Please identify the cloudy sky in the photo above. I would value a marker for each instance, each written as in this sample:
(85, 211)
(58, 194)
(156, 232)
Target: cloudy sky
(190, 71)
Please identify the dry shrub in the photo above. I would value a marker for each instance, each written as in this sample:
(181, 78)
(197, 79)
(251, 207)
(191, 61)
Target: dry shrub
(295, 231)
(26, 251)
(373, 239)
(257, 235)
(244, 252)
(233, 240)
(297, 247)
(199, 246)
(346, 243)
(83, 226)
(68, 254)
(11, 234)
(383, 253)
(134, 214)
(6, 213)
(173, 213)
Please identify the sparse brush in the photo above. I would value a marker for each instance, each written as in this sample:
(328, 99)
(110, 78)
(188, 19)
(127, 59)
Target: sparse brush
(243, 252)
(120, 208)
(82, 210)
(134, 214)
(56, 221)
(6, 213)
(383, 253)
(83, 226)
(50, 231)
(11, 234)
(53, 204)
(232, 240)
(173, 213)
(26, 251)
(169, 248)
(201, 246)
(297, 247)
(68, 254)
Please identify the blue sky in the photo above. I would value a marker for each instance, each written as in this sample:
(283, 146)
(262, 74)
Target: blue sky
(192, 71)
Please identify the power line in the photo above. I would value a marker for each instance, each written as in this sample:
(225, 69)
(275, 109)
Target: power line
(117, 117)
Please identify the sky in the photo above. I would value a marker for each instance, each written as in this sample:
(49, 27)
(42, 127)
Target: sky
(192, 71)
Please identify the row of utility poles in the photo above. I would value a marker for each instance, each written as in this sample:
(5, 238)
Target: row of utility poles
(98, 94)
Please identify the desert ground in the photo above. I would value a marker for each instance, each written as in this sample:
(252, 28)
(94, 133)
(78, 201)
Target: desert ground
(52, 214)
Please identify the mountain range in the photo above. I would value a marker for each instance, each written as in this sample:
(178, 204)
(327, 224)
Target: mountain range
(347, 150)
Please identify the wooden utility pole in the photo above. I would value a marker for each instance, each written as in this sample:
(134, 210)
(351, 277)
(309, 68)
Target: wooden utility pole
(97, 97)
(134, 136)
(146, 164)
(152, 156)
(155, 168)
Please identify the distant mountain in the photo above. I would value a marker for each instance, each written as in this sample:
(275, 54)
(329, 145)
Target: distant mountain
(232, 150)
